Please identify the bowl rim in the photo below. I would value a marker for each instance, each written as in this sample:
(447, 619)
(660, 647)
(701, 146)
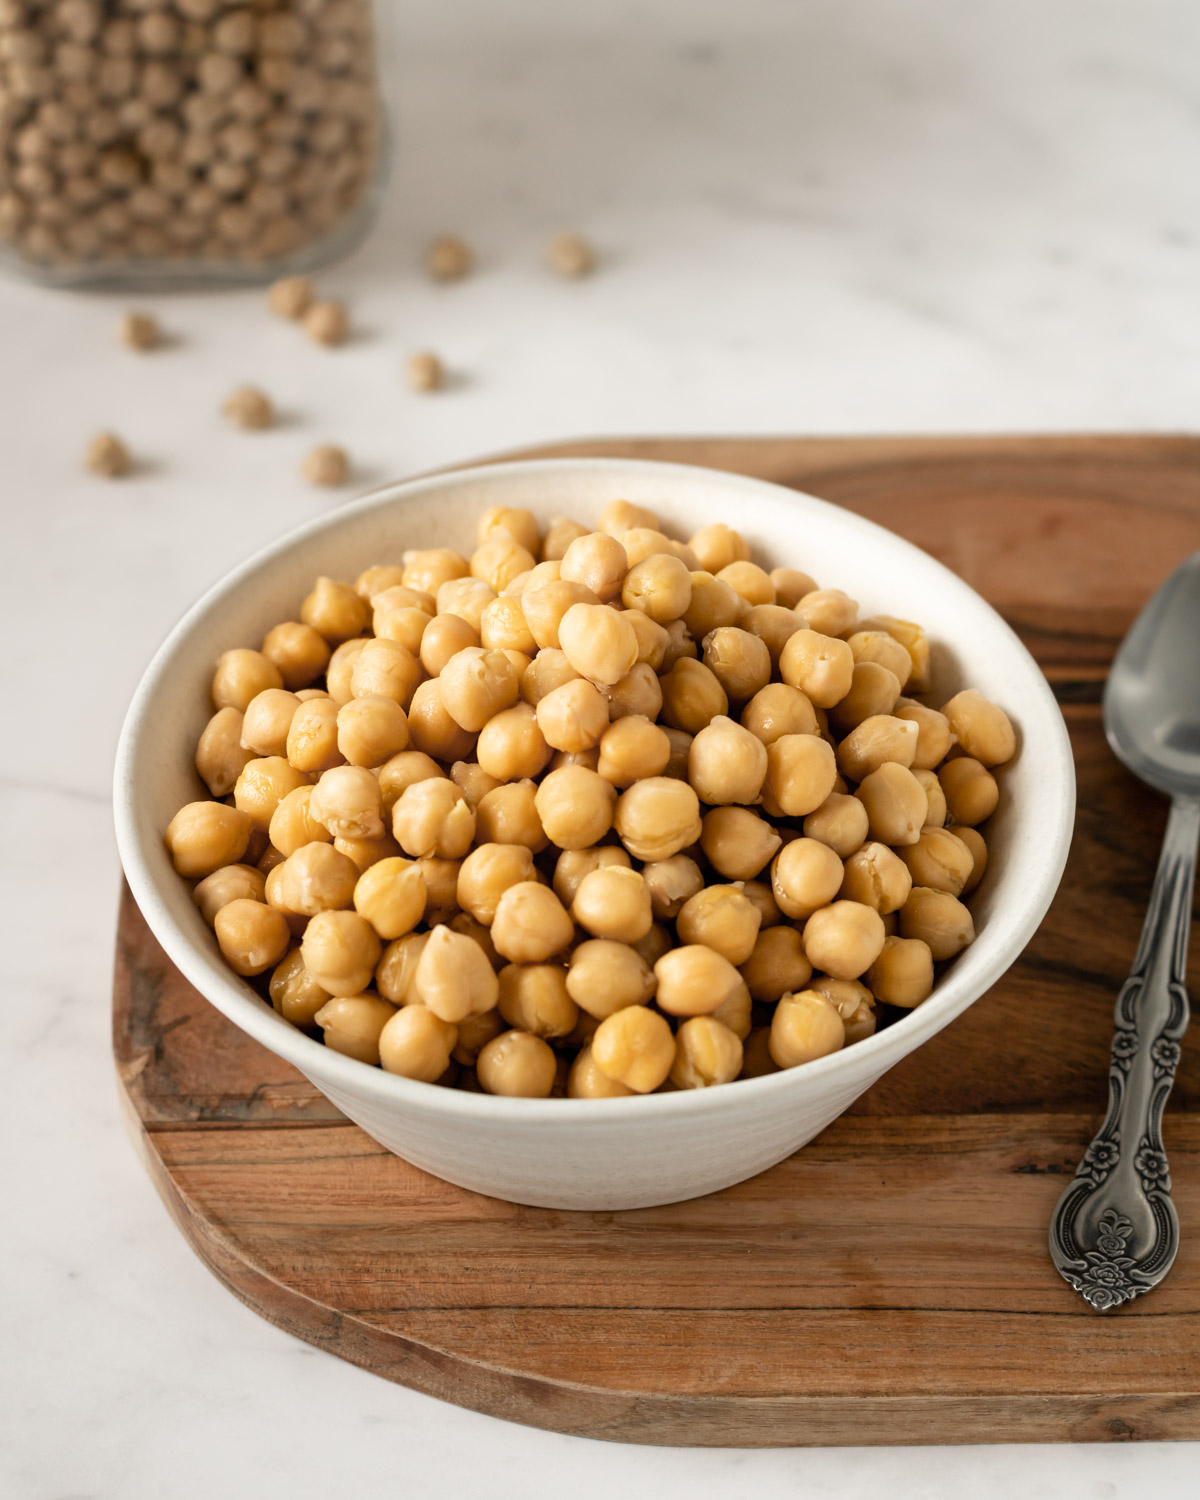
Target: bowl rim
(870, 1057)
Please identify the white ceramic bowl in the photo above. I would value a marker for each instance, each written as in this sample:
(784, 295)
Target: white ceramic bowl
(622, 1153)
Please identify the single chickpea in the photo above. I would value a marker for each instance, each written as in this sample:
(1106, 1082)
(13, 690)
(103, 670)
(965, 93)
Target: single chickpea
(511, 746)
(657, 817)
(681, 744)
(432, 729)
(757, 1061)
(427, 568)
(938, 919)
(875, 741)
(984, 731)
(659, 586)
(820, 666)
(692, 696)
(791, 586)
(348, 802)
(940, 861)
(533, 998)
(970, 790)
(721, 918)
(312, 742)
(474, 1033)
(240, 676)
(620, 516)
(573, 865)
(712, 606)
(334, 610)
(652, 638)
(896, 804)
(370, 730)
(394, 620)
(560, 533)
(598, 642)
(384, 583)
(805, 876)
(249, 408)
(510, 815)
(632, 749)
(517, 1065)
(339, 675)
(448, 259)
(878, 647)
(519, 524)
(841, 822)
(829, 611)
(718, 545)
(694, 981)
(453, 977)
(726, 763)
(903, 973)
(327, 323)
(801, 772)
(876, 877)
(546, 606)
(472, 781)
(776, 710)
(761, 896)
(415, 1043)
(467, 597)
(398, 773)
(613, 901)
(444, 637)
(777, 965)
(502, 627)
(706, 1053)
(475, 685)
(935, 816)
(367, 852)
(262, 786)
(641, 542)
(748, 581)
(290, 297)
(433, 817)
(934, 735)
(499, 560)
(574, 716)
(425, 371)
(531, 924)
(739, 660)
(295, 995)
(773, 625)
(385, 669)
(913, 639)
(465, 924)
(656, 942)
(874, 690)
(637, 693)
(605, 977)
(844, 939)
(575, 807)
(353, 1025)
(298, 652)
(671, 882)
(804, 1027)
(229, 883)
(391, 895)
(973, 839)
(737, 842)
(107, 456)
(292, 824)
(396, 968)
(548, 671)
(487, 872)
(586, 1081)
(252, 937)
(635, 1047)
(597, 561)
(679, 645)
(315, 878)
(570, 256)
(220, 756)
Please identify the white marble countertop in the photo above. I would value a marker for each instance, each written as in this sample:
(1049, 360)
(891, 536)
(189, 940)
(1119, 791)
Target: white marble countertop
(826, 218)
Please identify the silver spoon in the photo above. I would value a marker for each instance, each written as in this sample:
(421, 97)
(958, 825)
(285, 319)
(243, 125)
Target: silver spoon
(1114, 1233)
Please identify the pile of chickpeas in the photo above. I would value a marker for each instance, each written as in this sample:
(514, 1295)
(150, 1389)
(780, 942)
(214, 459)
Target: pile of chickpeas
(588, 813)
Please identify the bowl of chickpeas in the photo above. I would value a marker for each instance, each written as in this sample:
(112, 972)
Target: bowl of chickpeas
(593, 832)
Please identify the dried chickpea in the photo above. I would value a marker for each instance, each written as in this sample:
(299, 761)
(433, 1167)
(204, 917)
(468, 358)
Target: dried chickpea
(903, 973)
(841, 822)
(820, 666)
(431, 728)
(292, 824)
(983, 730)
(487, 872)
(531, 924)
(776, 710)
(791, 586)
(598, 642)
(706, 1053)
(620, 516)
(533, 998)
(415, 1043)
(517, 523)
(510, 815)
(391, 895)
(632, 749)
(739, 660)
(805, 875)
(970, 790)
(348, 802)
(896, 804)
(395, 970)
(299, 653)
(575, 807)
(659, 586)
(657, 817)
(433, 818)
(777, 965)
(829, 611)
(804, 1027)
(712, 605)
(572, 865)
(726, 763)
(252, 937)
(692, 696)
(262, 786)
(107, 456)
(353, 1025)
(240, 676)
(220, 755)
(511, 746)
(973, 839)
(294, 993)
(546, 606)
(327, 323)
(935, 816)
(748, 581)
(844, 939)
(875, 741)
(876, 877)
(671, 882)
(586, 1081)
(517, 1065)
(606, 976)
(940, 861)
(312, 742)
(801, 772)
(938, 919)
(737, 842)
(613, 901)
(873, 690)
(290, 297)
(718, 545)
(635, 1047)
(339, 675)
(453, 977)
(229, 883)
(773, 625)
(693, 980)
(574, 716)
(249, 408)
(721, 918)
(315, 878)
(334, 610)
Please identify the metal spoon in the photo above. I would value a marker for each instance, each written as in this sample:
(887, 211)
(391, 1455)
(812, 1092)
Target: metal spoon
(1114, 1233)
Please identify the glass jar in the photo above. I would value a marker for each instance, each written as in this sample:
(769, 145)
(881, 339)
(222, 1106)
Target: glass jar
(160, 142)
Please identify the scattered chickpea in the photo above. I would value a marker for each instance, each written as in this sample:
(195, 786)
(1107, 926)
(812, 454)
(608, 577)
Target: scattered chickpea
(326, 465)
(291, 297)
(327, 323)
(140, 331)
(569, 255)
(108, 456)
(448, 259)
(249, 408)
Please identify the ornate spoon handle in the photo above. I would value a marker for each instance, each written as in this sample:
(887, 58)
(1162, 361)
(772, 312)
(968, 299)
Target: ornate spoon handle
(1114, 1233)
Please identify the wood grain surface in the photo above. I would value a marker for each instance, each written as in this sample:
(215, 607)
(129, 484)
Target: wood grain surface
(888, 1284)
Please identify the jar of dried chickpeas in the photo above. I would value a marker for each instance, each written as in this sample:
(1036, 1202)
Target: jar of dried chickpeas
(185, 141)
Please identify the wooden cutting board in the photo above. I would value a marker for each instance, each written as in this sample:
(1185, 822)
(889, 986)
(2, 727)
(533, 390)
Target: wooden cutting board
(888, 1284)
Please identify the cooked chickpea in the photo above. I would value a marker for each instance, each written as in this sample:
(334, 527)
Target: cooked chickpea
(229, 883)
(726, 763)
(262, 785)
(334, 610)
(934, 735)
(574, 716)
(903, 973)
(347, 801)
(240, 676)
(367, 852)
(252, 937)
(400, 771)
(396, 968)
(598, 642)
(844, 939)
(829, 611)
(706, 1053)
(573, 865)
(530, 924)
(385, 669)
(806, 874)
(641, 542)
(635, 1047)
(299, 652)
(468, 597)
(294, 993)
(606, 976)
(391, 895)
(502, 627)
(511, 745)
(429, 567)
(935, 816)
(801, 773)
(499, 559)
(681, 743)
(804, 1027)
(560, 533)
(876, 877)
(657, 817)
(973, 839)
(737, 842)
(339, 675)
(679, 645)
(896, 804)
(876, 740)
(983, 730)
(586, 1081)
(776, 710)
(712, 606)
(415, 1043)
(394, 620)
(546, 605)
(820, 666)
(878, 647)
(913, 639)
(517, 1065)
(841, 822)
(970, 790)
(791, 585)
(370, 730)
(432, 817)
(763, 898)
(220, 755)
(620, 516)
(632, 749)
(874, 690)
(671, 882)
(757, 1061)
(444, 637)
(353, 1024)
(598, 561)
(473, 781)
(487, 872)
(441, 886)
(693, 980)
(718, 545)
(612, 901)
(431, 728)
(474, 1033)
(548, 671)
(721, 918)
(510, 815)
(659, 586)
(749, 582)
(453, 977)
(692, 696)
(317, 877)
(777, 965)
(312, 742)
(575, 806)
(940, 861)
(637, 693)
(938, 919)
(380, 577)
(773, 625)
(475, 685)
(534, 998)
(739, 660)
